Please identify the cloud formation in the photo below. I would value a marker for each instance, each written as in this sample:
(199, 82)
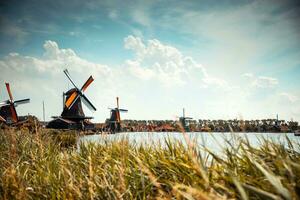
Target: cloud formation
(156, 68)
(290, 97)
(265, 82)
(166, 64)
(153, 62)
(261, 81)
(41, 78)
(54, 60)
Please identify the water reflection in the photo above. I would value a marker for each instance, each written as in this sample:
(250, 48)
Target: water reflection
(213, 141)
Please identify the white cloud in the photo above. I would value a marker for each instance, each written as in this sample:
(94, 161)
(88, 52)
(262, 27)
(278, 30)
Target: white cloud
(136, 70)
(291, 98)
(260, 81)
(265, 82)
(45, 75)
(155, 67)
(166, 64)
(248, 75)
(54, 60)
(135, 44)
(219, 83)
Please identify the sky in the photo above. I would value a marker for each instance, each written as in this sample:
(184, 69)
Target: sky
(218, 59)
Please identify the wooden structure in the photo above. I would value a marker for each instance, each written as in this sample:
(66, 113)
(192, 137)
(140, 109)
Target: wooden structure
(72, 116)
(114, 122)
(183, 121)
(8, 111)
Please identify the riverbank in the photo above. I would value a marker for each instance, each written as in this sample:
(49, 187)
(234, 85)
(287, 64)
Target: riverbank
(32, 124)
(202, 125)
(37, 166)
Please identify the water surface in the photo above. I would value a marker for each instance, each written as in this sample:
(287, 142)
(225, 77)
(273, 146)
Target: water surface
(214, 141)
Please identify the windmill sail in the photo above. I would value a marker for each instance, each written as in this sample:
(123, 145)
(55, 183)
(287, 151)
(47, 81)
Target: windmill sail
(72, 116)
(184, 122)
(8, 108)
(87, 83)
(115, 118)
(4, 103)
(88, 103)
(69, 77)
(72, 99)
(79, 93)
(8, 91)
(23, 101)
(13, 111)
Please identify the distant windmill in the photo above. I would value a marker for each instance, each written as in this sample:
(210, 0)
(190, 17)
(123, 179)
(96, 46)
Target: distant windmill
(8, 108)
(115, 118)
(73, 116)
(183, 120)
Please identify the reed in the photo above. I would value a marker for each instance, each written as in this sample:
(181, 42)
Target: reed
(37, 166)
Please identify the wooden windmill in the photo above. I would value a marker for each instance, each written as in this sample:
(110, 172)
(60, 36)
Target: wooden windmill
(183, 121)
(8, 111)
(72, 116)
(115, 118)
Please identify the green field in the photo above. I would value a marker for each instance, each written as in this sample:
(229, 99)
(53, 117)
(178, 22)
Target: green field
(49, 166)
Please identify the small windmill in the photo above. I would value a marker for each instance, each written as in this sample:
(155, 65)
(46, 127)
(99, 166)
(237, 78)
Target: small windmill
(183, 121)
(73, 116)
(8, 111)
(115, 118)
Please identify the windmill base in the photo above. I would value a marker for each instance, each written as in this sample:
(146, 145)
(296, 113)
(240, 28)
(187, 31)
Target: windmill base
(61, 123)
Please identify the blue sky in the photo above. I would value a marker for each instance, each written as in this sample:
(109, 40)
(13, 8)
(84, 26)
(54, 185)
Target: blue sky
(218, 59)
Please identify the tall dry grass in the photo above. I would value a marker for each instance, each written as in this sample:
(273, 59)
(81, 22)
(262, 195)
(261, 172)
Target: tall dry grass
(37, 166)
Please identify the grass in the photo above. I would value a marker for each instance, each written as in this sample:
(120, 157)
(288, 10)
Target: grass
(38, 166)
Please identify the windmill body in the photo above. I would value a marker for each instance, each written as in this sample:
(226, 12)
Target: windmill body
(8, 113)
(184, 122)
(72, 116)
(114, 122)
(75, 112)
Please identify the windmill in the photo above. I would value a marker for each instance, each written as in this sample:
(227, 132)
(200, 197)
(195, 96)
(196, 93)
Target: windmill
(115, 118)
(183, 121)
(8, 111)
(72, 116)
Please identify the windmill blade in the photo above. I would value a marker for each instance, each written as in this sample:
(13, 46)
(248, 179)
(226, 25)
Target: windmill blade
(23, 101)
(111, 108)
(88, 103)
(74, 102)
(123, 110)
(4, 103)
(87, 83)
(13, 113)
(72, 99)
(9, 92)
(69, 77)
